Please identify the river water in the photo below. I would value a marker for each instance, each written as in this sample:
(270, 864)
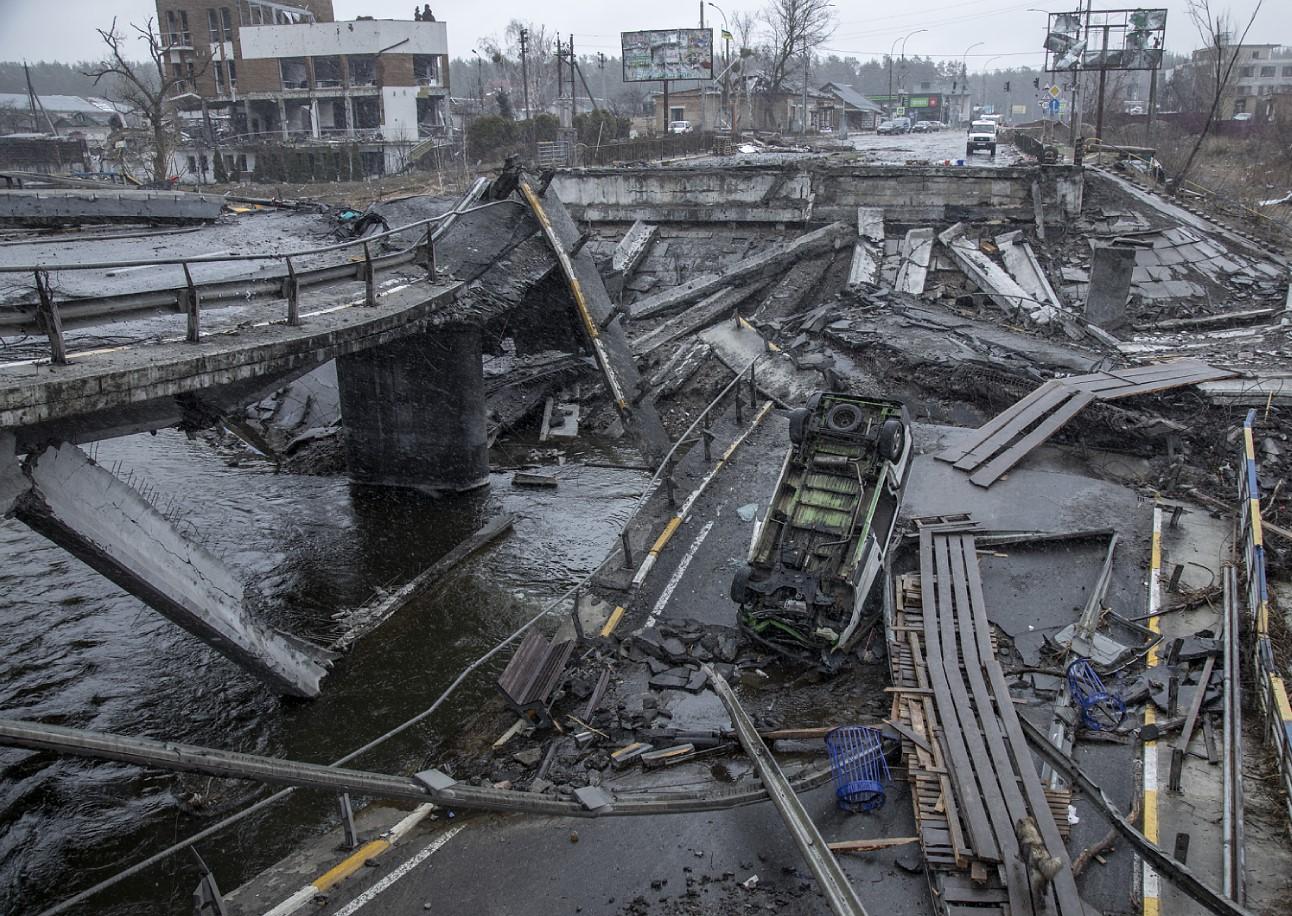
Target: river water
(77, 651)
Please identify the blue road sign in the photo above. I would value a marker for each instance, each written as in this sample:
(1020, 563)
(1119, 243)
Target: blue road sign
(1054, 106)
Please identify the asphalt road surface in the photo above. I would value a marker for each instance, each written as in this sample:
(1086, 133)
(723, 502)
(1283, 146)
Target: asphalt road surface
(936, 147)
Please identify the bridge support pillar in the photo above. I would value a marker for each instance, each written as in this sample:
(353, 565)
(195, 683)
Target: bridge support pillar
(102, 521)
(414, 412)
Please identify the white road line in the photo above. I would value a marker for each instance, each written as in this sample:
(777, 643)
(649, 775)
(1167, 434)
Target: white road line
(385, 883)
(677, 576)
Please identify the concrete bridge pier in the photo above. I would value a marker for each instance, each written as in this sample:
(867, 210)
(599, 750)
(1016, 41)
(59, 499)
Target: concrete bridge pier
(61, 493)
(414, 412)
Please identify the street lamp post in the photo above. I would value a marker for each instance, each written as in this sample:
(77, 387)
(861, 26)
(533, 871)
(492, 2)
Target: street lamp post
(479, 79)
(964, 71)
(892, 49)
(726, 61)
(902, 80)
(990, 61)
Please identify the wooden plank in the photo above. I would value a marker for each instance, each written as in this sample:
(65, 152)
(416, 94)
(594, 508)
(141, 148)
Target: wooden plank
(1102, 383)
(957, 890)
(1181, 381)
(953, 455)
(872, 845)
(991, 472)
(1015, 872)
(1064, 885)
(924, 722)
(967, 797)
(1037, 410)
(987, 765)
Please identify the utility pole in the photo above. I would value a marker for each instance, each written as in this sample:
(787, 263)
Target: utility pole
(806, 58)
(704, 88)
(601, 64)
(574, 89)
(1103, 76)
(524, 79)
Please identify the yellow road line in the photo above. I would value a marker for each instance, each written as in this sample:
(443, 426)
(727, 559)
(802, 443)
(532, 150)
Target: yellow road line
(350, 864)
(615, 616)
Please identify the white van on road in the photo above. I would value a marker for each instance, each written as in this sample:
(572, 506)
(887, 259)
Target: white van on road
(982, 135)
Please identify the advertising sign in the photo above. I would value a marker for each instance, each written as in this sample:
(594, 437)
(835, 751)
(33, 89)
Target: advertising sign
(667, 54)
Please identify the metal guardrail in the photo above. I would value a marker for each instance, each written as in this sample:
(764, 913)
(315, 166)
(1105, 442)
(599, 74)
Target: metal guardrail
(1271, 692)
(187, 298)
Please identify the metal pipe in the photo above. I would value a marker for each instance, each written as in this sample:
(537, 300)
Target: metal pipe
(834, 884)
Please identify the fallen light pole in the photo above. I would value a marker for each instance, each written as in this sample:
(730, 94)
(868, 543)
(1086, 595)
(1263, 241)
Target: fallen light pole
(429, 786)
(829, 874)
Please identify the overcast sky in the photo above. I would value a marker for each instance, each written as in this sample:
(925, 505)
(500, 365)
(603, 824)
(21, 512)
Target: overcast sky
(64, 29)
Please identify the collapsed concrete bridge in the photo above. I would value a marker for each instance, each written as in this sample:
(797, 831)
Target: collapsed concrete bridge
(408, 348)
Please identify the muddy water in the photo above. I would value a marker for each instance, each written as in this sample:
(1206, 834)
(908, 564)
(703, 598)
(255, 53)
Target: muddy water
(77, 651)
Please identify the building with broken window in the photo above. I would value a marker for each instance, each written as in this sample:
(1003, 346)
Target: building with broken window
(290, 75)
(1260, 73)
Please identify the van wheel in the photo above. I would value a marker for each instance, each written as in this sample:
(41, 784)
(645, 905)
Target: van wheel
(968, 150)
(892, 439)
(799, 417)
(993, 150)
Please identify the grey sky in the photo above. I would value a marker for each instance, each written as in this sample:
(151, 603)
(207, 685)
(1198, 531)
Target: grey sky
(64, 29)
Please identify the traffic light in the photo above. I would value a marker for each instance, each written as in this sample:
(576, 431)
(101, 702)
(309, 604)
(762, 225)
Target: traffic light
(1007, 85)
(1036, 82)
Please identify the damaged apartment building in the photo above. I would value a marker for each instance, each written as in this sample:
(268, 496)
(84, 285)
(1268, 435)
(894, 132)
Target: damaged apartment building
(289, 92)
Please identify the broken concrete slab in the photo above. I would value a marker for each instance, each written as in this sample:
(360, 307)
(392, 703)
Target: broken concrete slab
(917, 248)
(865, 266)
(111, 528)
(632, 248)
(776, 375)
(1022, 264)
(607, 338)
(62, 207)
(629, 254)
(762, 264)
(1110, 280)
(870, 223)
(990, 278)
(707, 311)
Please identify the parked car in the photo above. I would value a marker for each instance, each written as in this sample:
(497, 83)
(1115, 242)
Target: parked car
(903, 125)
(1243, 116)
(982, 135)
(822, 544)
(679, 127)
(886, 127)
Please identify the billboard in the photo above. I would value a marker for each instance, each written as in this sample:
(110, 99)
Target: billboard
(667, 54)
(1105, 40)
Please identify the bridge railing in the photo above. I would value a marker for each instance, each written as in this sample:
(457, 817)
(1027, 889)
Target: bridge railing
(46, 315)
(1270, 689)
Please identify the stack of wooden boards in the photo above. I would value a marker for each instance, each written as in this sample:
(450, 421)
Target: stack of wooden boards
(973, 778)
(1008, 437)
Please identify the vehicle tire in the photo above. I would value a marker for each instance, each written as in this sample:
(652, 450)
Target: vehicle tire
(740, 585)
(799, 417)
(968, 151)
(843, 418)
(992, 150)
(892, 439)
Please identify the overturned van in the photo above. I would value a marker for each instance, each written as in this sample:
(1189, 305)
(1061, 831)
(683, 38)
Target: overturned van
(817, 552)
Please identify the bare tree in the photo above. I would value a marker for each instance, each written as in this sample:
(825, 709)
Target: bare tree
(1219, 57)
(147, 97)
(794, 28)
(744, 27)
